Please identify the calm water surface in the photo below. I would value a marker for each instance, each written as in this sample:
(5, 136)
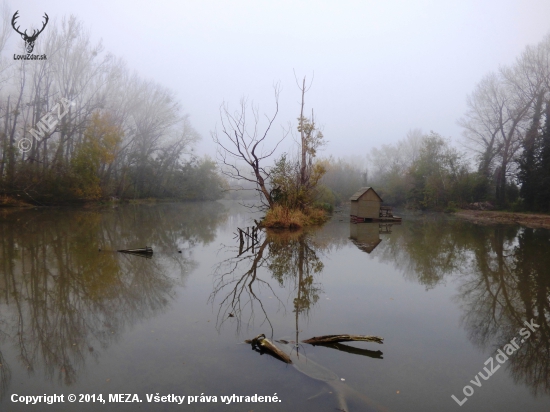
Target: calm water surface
(444, 294)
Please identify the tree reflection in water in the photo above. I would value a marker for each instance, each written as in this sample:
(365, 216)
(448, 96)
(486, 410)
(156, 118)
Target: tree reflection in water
(503, 281)
(62, 301)
(5, 372)
(287, 259)
(507, 283)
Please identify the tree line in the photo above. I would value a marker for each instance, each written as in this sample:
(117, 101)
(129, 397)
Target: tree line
(114, 134)
(506, 163)
(122, 136)
(507, 125)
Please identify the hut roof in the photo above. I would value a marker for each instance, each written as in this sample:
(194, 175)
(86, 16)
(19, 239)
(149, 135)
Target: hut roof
(362, 191)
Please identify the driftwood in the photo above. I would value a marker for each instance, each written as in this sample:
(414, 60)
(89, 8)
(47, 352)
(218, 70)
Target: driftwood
(147, 250)
(343, 338)
(262, 342)
(376, 354)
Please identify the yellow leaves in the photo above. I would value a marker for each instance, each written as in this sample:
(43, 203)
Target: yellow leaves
(99, 148)
(318, 171)
(89, 192)
(103, 137)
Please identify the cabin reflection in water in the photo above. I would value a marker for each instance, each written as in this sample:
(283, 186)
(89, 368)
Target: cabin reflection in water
(366, 236)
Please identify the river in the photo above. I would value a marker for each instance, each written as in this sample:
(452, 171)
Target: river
(76, 317)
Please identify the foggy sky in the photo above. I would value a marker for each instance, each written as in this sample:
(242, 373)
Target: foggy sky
(381, 67)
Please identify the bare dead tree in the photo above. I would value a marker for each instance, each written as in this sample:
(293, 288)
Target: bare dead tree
(497, 119)
(311, 140)
(243, 145)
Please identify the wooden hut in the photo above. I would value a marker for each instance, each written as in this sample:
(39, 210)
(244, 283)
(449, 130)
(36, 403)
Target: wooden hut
(365, 204)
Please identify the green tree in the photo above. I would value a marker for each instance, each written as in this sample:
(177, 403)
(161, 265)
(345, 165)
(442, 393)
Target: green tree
(435, 173)
(311, 140)
(288, 191)
(199, 179)
(543, 196)
(528, 174)
(95, 156)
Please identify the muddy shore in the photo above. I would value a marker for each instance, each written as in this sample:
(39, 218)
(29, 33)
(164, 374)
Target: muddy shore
(496, 217)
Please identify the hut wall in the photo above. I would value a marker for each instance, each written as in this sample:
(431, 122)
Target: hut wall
(354, 210)
(368, 205)
(368, 209)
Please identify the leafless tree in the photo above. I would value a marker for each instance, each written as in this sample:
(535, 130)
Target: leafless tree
(481, 122)
(311, 139)
(497, 118)
(500, 111)
(242, 149)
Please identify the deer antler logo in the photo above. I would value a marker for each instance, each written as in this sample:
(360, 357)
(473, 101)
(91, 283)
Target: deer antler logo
(29, 40)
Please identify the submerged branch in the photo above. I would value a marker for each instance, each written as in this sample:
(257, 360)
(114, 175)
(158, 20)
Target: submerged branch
(376, 354)
(261, 342)
(343, 338)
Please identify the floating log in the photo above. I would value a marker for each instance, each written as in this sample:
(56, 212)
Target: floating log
(262, 342)
(343, 338)
(147, 250)
(376, 354)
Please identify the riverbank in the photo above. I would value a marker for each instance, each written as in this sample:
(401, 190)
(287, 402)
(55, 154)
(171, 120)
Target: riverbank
(7, 202)
(496, 217)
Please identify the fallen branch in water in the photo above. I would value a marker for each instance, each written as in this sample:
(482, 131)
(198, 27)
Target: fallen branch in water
(262, 342)
(147, 250)
(376, 354)
(343, 338)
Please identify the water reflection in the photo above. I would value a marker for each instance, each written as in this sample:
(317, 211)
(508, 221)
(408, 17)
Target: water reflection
(62, 301)
(286, 266)
(428, 250)
(503, 281)
(286, 259)
(366, 236)
(5, 371)
(506, 284)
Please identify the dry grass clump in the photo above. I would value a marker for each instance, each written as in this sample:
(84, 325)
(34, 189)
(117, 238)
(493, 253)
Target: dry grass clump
(280, 217)
(317, 216)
